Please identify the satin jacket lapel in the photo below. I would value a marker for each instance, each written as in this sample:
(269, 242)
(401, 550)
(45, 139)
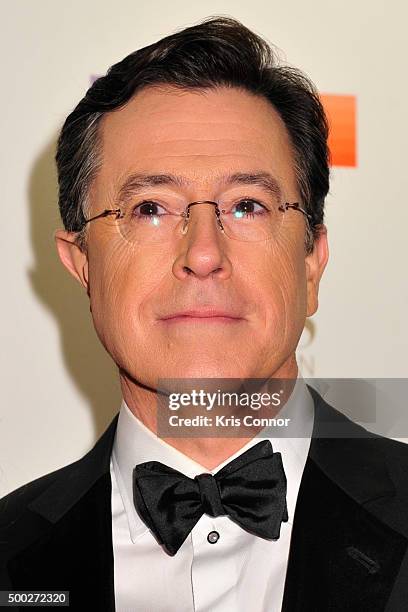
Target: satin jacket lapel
(69, 531)
(348, 541)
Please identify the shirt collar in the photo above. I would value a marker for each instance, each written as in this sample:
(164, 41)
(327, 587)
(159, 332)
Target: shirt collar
(134, 443)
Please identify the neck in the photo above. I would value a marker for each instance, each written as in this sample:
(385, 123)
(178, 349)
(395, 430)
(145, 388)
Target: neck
(207, 451)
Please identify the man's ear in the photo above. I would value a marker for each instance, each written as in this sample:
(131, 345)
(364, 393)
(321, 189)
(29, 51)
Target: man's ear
(315, 264)
(73, 258)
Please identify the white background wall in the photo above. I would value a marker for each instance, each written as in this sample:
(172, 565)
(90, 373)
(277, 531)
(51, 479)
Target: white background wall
(58, 386)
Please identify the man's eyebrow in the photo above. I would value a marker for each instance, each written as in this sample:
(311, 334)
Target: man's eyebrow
(138, 181)
(260, 179)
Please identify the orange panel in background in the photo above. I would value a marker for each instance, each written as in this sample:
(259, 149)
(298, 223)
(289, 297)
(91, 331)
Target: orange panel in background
(341, 113)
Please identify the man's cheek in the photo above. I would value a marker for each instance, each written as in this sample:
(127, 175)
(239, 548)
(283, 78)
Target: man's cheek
(285, 293)
(291, 263)
(115, 273)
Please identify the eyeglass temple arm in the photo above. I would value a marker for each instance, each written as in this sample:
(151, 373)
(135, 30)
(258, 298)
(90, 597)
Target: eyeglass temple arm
(295, 206)
(106, 213)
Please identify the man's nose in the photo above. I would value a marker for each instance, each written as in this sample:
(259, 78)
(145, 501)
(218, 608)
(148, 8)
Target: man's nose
(203, 246)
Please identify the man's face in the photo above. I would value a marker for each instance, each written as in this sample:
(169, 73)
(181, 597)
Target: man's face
(268, 287)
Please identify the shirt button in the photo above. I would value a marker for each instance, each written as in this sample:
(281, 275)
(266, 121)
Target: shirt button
(213, 537)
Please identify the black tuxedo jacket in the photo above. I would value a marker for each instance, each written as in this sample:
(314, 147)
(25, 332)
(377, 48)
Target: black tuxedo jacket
(349, 546)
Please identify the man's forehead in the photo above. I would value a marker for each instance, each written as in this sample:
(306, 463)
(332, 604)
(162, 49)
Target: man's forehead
(155, 114)
(161, 131)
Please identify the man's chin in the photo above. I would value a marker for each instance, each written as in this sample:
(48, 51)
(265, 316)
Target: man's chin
(209, 374)
(208, 381)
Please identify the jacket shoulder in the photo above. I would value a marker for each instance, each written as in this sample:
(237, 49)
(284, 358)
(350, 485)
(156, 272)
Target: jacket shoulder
(396, 456)
(14, 504)
(54, 493)
(362, 452)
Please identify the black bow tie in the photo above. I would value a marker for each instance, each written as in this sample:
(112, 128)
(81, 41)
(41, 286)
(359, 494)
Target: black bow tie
(251, 489)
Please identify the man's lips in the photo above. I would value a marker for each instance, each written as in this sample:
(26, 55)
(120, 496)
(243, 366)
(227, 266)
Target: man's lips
(209, 315)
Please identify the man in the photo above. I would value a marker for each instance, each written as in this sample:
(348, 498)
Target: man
(192, 184)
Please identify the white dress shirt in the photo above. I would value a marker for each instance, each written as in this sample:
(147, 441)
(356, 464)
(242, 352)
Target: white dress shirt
(241, 572)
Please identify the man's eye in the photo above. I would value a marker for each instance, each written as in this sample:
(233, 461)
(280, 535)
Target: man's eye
(248, 207)
(148, 209)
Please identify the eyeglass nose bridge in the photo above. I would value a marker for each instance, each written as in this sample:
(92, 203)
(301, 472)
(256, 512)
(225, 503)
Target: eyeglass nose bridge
(186, 214)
